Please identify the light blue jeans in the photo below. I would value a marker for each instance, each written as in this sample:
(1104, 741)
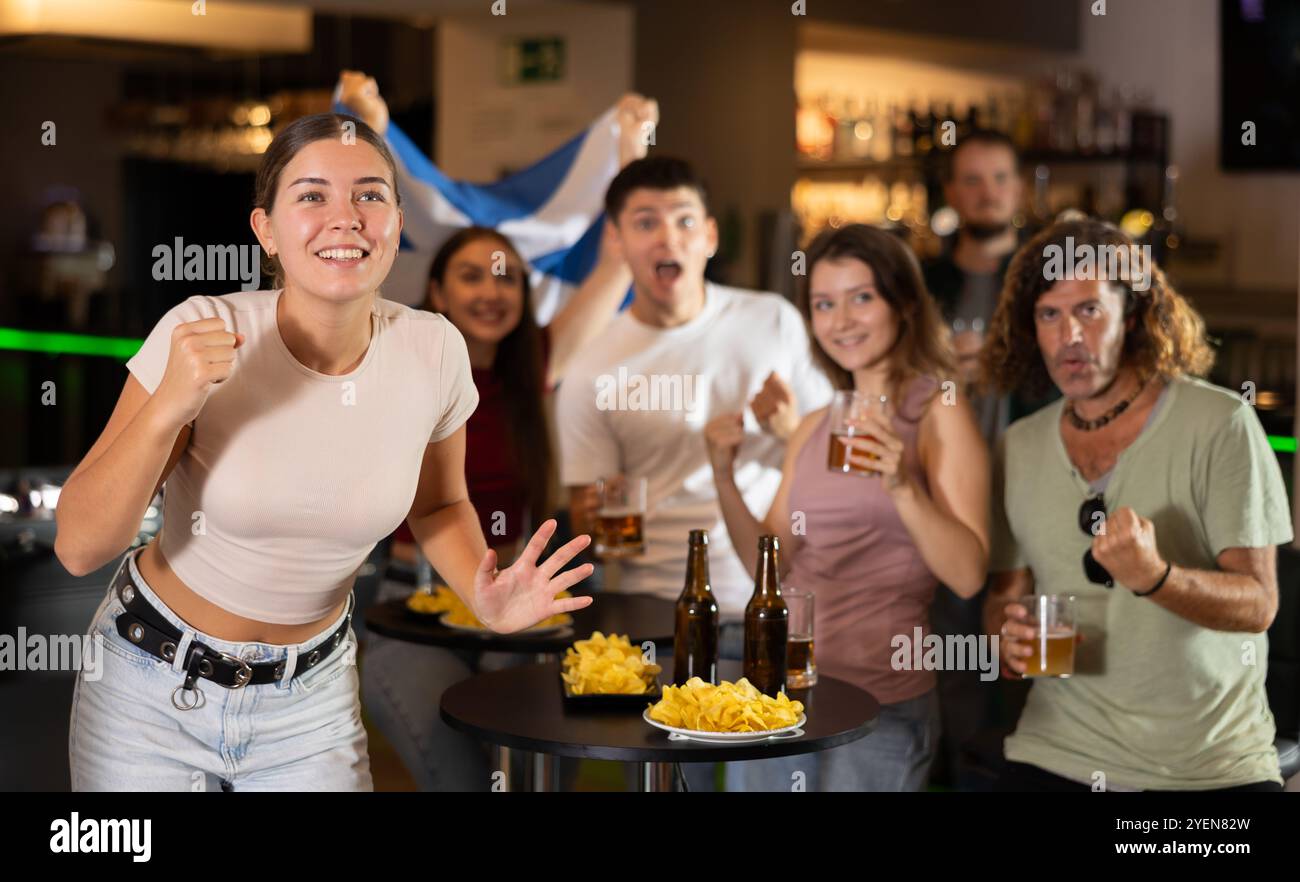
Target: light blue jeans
(300, 734)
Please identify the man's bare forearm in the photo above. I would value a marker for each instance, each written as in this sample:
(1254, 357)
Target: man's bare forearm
(1216, 599)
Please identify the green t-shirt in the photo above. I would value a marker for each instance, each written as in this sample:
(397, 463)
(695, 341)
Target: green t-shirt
(1156, 701)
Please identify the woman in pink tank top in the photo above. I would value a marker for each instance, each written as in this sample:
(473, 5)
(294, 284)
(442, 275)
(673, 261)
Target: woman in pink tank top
(871, 548)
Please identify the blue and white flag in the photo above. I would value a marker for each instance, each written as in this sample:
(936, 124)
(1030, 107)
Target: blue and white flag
(552, 211)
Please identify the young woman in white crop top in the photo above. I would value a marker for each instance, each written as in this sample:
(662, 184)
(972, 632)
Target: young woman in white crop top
(294, 428)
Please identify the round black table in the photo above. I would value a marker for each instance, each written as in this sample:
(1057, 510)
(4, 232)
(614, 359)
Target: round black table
(522, 708)
(639, 617)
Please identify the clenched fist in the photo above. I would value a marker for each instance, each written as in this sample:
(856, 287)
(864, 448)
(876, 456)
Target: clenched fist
(202, 355)
(1126, 547)
(637, 118)
(775, 407)
(723, 435)
(361, 93)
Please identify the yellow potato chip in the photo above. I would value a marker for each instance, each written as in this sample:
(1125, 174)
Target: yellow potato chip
(607, 666)
(725, 707)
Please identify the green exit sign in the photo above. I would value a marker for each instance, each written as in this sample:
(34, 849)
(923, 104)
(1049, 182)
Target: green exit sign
(533, 60)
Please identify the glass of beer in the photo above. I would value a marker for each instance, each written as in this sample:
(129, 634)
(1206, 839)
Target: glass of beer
(801, 664)
(1052, 618)
(620, 517)
(848, 408)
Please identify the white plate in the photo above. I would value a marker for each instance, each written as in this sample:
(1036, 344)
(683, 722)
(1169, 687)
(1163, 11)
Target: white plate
(675, 734)
(549, 629)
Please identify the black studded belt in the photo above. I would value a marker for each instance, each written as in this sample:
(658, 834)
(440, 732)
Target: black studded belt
(148, 629)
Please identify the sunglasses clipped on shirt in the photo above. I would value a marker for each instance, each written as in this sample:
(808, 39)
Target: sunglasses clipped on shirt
(1092, 507)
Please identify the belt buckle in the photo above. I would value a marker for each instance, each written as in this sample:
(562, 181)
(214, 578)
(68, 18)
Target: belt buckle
(245, 672)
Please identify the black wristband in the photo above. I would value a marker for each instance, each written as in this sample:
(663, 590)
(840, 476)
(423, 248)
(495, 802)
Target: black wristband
(1169, 568)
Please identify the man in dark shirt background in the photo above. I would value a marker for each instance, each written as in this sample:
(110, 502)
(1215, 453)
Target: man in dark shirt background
(982, 184)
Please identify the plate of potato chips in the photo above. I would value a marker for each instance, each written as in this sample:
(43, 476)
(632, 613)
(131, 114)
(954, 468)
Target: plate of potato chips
(725, 713)
(432, 603)
(452, 612)
(607, 671)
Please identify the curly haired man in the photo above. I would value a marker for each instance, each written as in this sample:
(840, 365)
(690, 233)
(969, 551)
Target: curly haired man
(1151, 496)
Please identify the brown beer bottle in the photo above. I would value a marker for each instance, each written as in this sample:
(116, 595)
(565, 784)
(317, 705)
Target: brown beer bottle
(767, 622)
(695, 639)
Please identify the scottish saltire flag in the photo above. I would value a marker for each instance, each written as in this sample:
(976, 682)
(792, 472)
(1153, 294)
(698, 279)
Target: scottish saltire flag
(552, 211)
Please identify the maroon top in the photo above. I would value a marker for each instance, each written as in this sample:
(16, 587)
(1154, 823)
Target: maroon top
(496, 483)
(858, 559)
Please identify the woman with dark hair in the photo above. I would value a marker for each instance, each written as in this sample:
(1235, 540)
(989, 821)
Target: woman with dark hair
(294, 428)
(871, 549)
(480, 283)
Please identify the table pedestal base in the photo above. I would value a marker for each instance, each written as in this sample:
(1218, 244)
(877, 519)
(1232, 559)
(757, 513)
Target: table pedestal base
(501, 777)
(656, 778)
(541, 767)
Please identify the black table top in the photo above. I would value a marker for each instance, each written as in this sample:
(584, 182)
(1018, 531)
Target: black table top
(638, 616)
(522, 707)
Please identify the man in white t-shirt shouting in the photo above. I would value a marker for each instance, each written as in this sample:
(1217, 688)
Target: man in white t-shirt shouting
(637, 400)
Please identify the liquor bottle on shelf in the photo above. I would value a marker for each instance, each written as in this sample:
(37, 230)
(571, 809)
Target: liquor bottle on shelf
(900, 199)
(846, 119)
(1149, 130)
(814, 130)
(903, 144)
(1110, 197)
(1025, 129)
(1123, 98)
(917, 218)
(875, 199)
(864, 131)
(923, 122)
(1064, 113)
(990, 115)
(1085, 114)
(972, 119)
(1107, 128)
(1040, 211)
(882, 147)
(930, 124)
(1044, 132)
(827, 107)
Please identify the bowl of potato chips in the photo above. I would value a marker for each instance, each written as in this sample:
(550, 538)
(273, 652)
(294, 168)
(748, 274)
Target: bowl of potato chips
(725, 713)
(608, 671)
(452, 612)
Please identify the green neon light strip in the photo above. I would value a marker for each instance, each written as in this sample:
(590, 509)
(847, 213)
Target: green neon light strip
(69, 344)
(125, 347)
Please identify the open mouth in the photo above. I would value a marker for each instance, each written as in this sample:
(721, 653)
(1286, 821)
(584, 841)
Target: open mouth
(668, 271)
(848, 342)
(343, 256)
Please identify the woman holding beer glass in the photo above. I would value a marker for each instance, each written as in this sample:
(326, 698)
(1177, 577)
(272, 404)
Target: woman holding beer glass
(297, 427)
(874, 512)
